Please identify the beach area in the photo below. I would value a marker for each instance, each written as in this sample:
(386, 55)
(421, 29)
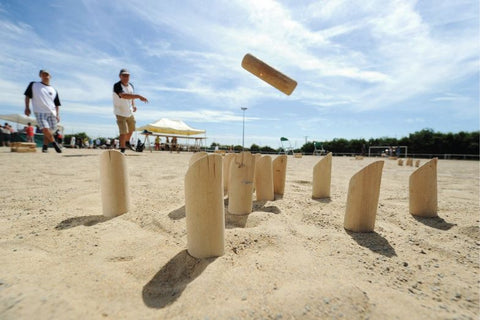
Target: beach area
(289, 259)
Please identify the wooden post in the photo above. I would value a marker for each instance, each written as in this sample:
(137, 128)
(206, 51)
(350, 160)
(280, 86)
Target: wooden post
(257, 156)
(204, 208)
(227, 160)
(268, 74)
(240, 184)
(362, 198)
(279, 166)
(322, 178)
(423, 190)
(196, 156)
(409, 162)
(417, 163)
(264, 179)
(400, 162)
(114, 183)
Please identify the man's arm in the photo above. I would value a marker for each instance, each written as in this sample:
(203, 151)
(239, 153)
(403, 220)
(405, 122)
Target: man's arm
(28, 95)
(27, 106)
(130, 96)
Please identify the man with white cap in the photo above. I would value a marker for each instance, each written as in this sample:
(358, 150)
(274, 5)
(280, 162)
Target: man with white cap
(45, 104)
(123, 105)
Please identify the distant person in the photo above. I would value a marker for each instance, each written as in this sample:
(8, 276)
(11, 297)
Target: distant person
(72, 142)
(45, 106)
(30, 132)
(123, 108)
(7, 134)
(79, 142)
(157, 143)
(174, 144)
(59, 137)
(13, 133)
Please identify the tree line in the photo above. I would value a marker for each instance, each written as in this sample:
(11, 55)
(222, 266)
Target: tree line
(426, 142)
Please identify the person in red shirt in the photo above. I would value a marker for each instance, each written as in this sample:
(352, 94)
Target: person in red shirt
(30, 132)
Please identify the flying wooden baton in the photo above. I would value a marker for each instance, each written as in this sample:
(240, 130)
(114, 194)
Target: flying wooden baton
(268, 74)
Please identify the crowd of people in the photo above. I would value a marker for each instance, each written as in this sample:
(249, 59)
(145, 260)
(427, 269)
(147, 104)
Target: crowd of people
(167, 146)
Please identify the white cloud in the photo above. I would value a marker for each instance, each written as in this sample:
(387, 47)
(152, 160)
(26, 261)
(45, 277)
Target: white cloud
(185, 58)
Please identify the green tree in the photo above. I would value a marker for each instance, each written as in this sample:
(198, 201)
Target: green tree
(267, 149)
(214, 144)
(254, 148)
(239, 148)
(308, 148)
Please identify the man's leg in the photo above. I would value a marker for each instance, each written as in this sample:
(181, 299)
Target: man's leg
(47, 139)
(131, 127)
(122, 140)
(47, 136)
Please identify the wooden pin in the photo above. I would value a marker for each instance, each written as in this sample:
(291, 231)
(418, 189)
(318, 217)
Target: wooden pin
(400, 162)
(227, 160)
(196, 156)
(322, 178)
(114, 183)
(362, 198)
(257, 156)
(264, 179)
(240, 184)
(204, 208)
(423, 190)
(279, 166)
(268, 74)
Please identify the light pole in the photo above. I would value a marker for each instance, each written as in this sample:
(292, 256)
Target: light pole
(243, 131)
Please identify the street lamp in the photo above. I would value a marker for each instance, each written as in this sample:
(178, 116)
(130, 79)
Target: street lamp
(243, 131)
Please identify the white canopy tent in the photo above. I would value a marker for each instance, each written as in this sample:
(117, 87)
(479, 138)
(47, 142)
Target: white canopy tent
(171, 127)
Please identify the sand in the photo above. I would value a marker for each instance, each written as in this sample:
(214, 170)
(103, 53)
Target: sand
(289, 259)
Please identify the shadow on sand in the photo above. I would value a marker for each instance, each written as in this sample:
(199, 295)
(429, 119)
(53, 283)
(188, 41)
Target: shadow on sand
(373, 241)
(87, 221)
(170, 282)
(435, 222)
(177, 214)
(79, 155)
(260, 206)
(231, 221)
(323, 200)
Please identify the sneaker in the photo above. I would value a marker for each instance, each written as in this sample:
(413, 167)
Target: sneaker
(45, 148)
(57, 147)
(129, 146)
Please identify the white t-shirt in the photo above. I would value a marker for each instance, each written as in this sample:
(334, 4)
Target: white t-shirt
(44, 97)
(122, 107)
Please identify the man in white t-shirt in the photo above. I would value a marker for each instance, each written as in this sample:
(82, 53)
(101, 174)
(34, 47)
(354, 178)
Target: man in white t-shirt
(45, 103)
(123, 105)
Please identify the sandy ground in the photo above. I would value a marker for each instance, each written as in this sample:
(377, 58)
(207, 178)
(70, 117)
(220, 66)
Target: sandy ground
(290, 259)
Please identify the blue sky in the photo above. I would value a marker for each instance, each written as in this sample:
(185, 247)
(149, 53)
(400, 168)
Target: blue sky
(369, 68)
